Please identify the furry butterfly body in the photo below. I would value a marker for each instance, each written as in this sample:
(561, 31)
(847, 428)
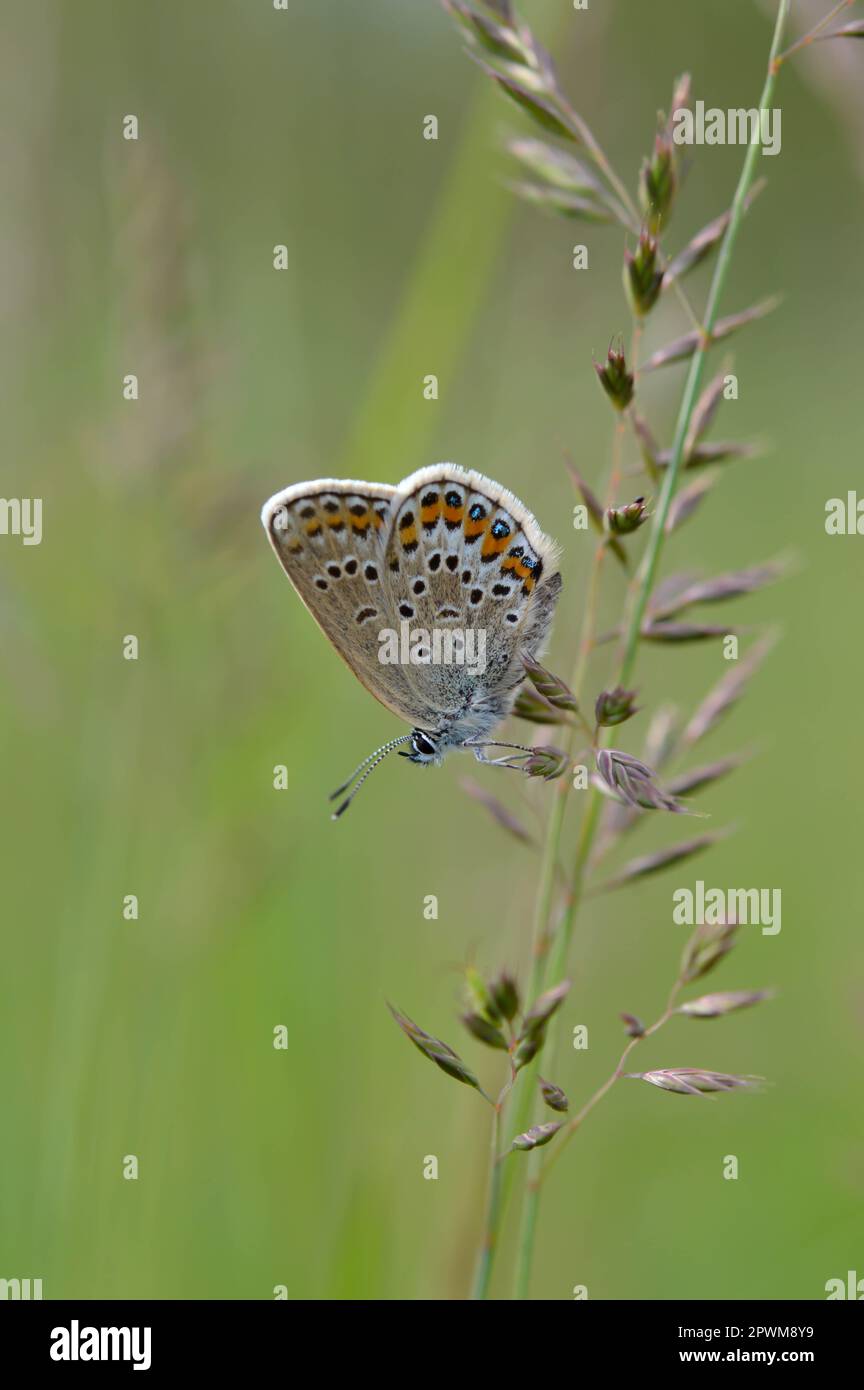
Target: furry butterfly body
(447, 553)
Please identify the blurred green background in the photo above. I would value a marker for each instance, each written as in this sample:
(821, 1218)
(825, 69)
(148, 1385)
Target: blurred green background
(304, 1167)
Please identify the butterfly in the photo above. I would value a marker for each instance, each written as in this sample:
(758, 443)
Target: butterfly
(411, 584)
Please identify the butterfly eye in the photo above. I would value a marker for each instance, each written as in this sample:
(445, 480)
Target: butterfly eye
(422, 745)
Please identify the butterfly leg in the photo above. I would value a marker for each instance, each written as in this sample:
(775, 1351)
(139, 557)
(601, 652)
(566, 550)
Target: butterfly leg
(507, 760)
(478, 744)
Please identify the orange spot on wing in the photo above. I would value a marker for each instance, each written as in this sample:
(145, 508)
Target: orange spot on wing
(513, 565)
(491, 546)
(429, 515)
(408, 535)
(313, 527)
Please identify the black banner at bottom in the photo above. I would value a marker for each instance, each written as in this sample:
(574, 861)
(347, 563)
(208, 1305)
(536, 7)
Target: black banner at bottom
(154, 1338)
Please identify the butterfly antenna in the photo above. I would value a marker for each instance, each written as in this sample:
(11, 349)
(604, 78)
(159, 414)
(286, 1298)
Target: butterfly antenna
(385, 747)
(369, 764)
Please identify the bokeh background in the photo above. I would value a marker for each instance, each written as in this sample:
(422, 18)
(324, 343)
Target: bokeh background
(304, 1167)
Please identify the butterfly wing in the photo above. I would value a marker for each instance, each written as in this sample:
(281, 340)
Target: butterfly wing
(463, 552)
(447, 549)
(330, 537)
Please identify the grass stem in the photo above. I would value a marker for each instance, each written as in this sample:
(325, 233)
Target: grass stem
(486, 1256)
(697, 366)
(642, 592)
